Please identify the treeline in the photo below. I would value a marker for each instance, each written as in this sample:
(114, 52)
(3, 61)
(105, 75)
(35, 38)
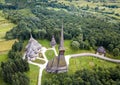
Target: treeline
(13, 70)
(96, 76)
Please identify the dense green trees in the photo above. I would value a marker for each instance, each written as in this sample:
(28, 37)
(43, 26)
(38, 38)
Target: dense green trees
(116, 52)
(96, 76)
(75, 45)
(13, 70)
(87, 29)
(20, 79)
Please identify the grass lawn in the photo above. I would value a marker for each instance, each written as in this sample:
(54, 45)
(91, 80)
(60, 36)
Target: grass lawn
(88, 63)
(50, 54)
(33, 74)
(3, 57)
(39, 61)
(6, 45)
(45, 43)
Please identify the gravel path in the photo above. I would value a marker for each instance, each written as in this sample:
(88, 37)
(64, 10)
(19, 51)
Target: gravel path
(67, 57)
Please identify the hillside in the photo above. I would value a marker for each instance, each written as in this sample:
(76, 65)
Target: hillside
(87, 24)
(106, 7)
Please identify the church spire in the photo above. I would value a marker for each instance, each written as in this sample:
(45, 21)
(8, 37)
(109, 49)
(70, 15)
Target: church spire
(53, 42)
(58, 63)
(62, 40)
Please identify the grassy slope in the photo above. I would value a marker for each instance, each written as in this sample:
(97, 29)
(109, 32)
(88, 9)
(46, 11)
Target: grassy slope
(6, 45)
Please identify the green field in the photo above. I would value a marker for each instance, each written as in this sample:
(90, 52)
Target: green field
(33, 74)
(45, 43)
(88, 63)
(6, 45)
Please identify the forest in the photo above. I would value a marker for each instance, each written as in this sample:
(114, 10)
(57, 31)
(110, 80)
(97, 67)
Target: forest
(86, 30)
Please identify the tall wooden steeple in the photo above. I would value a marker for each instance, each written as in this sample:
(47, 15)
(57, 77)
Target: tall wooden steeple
(58, 63)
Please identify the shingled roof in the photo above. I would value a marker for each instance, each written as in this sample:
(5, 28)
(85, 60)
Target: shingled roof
(32, 49)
